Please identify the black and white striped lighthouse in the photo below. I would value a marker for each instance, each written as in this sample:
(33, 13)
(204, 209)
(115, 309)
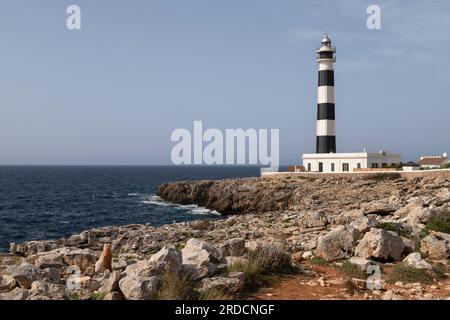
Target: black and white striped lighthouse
(326, 128)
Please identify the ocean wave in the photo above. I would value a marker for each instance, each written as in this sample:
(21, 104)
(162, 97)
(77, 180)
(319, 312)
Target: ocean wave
(191, 208)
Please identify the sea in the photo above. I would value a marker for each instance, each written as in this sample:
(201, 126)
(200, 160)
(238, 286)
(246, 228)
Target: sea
(50, 202)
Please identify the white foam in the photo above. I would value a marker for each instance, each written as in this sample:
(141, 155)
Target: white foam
(191, 208)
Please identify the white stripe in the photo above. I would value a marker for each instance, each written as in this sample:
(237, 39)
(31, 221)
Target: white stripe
(325, 94)
(328, 65)
(326, 128)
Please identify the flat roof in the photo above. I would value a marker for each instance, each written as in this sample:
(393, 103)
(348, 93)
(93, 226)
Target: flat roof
(350, 155)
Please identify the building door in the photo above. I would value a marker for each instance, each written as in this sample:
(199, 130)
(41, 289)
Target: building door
(320, 166)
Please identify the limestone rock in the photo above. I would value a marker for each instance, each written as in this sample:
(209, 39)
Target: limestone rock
(170, 256)
(414, 213)
(347, 217)
(361, 263)
(313, 220)
(110, 282)
(436, 246)
(15, 294)
(233, 247)
(380, 207)
(7, 283)
(113, 296)
(380, 244)
(415, 260)
(25, 275)
(200, 258)
(145, 268)
(135, 287)
(83, 258)
(337, 244)
(223, 284)
(105, 261)
(46, 289)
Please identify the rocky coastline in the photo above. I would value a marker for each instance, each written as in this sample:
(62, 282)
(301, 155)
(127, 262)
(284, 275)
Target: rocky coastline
(330, 229)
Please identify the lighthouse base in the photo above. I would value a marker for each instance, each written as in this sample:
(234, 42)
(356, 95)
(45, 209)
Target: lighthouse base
(349, 162)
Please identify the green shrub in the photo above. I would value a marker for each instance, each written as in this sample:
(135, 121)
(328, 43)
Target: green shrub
(73, 296)
(214, 294)
(318, 261)
(440, 223)
(404, 273)
(400, 229)
(352, 271)
(174, 287)
(262, 264)
(271, 259)
(98, 295)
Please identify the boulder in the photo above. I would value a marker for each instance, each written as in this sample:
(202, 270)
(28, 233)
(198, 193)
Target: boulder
(363, 224)
(170, 256)
(7, 283)
(337, 244)
(415, 260)
(135, 287)
(82, 258)
(44, 288)
(414, 213)
(224, 284)
(436, 246)
(380, 244)
(347, 217)
(200, 259)
(110, 282)
(379, 207)
(15, 294)
(233, 247)
(146, 268)
(313, 220)
(105, 261)
(52, 259)
(361, 263)
(26, 274)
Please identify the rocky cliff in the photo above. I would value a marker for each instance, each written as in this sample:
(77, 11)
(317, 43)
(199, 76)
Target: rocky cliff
(399, 224)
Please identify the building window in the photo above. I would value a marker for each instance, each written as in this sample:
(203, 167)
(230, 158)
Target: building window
(320, 166)
(374, 165)
(332, 167)
(345, 167)
(384, 165)
(309, 166)
(358, 165)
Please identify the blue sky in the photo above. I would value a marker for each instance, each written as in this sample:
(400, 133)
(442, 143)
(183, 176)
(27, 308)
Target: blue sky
(113, 92)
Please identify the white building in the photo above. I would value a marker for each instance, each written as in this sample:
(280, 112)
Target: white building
(326, 159)
(347, 162)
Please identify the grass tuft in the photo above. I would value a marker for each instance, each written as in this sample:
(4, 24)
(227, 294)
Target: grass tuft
(404, 273)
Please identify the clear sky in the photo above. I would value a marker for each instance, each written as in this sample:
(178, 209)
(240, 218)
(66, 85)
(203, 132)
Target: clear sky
(113, 92)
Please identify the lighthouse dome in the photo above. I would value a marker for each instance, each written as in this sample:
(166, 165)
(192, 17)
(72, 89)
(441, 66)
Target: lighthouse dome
(326, 40)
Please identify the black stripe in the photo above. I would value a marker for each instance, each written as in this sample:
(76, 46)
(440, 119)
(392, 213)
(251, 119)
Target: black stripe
(325, 144)
(326, 78)
(325, 111)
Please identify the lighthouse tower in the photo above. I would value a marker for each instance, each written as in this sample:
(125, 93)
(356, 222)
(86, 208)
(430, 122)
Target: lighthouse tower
(326, 129)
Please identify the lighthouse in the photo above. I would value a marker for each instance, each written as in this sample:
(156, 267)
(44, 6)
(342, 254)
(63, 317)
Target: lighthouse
(326, 128)
(326, 159)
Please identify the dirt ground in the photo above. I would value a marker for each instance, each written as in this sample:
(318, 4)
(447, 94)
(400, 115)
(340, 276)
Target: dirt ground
(330, 283)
